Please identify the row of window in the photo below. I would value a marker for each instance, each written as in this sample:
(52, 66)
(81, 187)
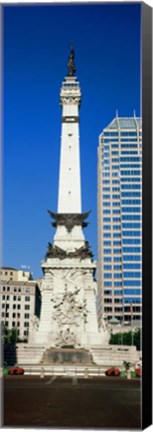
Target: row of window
(108, 219)
(130, 186)
(115, 243)
(109, 258)
(27, 290)
(14, 306)
(116, 267)
(15, 315)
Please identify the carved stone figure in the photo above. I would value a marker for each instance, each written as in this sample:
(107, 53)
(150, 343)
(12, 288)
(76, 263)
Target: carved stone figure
(56, 252)
(67, 337)
(69, 310)
(35, 322)
(69, 220)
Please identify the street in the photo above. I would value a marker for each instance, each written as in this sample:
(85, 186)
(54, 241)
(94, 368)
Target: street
(71, 402)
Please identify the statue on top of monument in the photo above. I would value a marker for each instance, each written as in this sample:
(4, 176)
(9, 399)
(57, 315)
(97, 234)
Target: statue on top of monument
(71, 65)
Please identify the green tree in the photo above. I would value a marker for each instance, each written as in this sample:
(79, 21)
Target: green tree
(126, 338)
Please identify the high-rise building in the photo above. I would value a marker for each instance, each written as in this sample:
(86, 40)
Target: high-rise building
(120, 220)
(19, 299)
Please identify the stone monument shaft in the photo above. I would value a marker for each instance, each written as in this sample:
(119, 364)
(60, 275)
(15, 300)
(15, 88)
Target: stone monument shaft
(69, 196)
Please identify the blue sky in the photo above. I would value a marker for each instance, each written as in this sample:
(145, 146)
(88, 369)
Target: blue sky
(36, 47)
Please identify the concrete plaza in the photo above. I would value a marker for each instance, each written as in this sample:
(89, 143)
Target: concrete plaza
(54, 402)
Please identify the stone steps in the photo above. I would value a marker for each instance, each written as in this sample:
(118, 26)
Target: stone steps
(114, 355)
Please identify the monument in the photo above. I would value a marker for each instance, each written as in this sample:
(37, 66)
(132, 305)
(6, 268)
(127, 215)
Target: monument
(68, 320)
(68, 312)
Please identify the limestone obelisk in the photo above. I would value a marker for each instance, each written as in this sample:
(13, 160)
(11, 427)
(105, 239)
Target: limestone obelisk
(68, 312)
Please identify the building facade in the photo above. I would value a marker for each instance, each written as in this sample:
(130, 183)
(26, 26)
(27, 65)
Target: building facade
(20, 300)
(120, 220)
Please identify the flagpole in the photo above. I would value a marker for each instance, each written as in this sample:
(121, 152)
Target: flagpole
(131, 310)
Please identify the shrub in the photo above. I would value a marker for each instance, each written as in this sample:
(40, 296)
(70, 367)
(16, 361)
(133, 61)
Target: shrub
(138, 372)
(112, 372)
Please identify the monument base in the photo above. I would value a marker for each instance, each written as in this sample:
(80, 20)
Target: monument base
(66, 356)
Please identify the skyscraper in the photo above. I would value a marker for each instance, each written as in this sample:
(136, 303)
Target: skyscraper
(120, 220)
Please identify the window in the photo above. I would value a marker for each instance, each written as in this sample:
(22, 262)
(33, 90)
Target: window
(108, 292)
(117, 243)
(27, 298)
(7, 297)
(106, 219)
(116, 189)
(132, 266)
(14, 297)
(26, 315)
(19, 298)
(25, 333)
(118, 292)
(117, 283)
(107, 242)
(3, 297)
(106, 189)
(132, 258)
(13, 323)
(18, 306)
(19, 289)
(106, 211)
(14, 315)
(132, 249)
(107, 283)
(106, 227)
(8, 288)
(118, 300)
(107, 251)
(116, 211)
(132, 283)
(27, 290)
(6, 273)
(27, 307)
(7, 314)
(14, 306)
(132, 274)
(132, 291)
(11, 273)
(108, 275)
(26, 324)
(107, 300)
(117, 267)
(106, 203)
(116, 203)
(3, 288)
(107, 259)
(106, 234)
(107, 267)
(15, 289)
(117, 275)
(116, 259)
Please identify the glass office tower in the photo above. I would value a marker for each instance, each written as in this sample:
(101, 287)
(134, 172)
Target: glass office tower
(120, 220)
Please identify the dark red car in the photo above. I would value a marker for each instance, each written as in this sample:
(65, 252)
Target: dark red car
(16, 371)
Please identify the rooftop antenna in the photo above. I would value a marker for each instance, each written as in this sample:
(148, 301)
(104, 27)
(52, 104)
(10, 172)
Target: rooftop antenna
(134, 113)
(116, 113)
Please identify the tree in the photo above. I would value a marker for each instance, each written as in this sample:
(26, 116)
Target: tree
(126, 338)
